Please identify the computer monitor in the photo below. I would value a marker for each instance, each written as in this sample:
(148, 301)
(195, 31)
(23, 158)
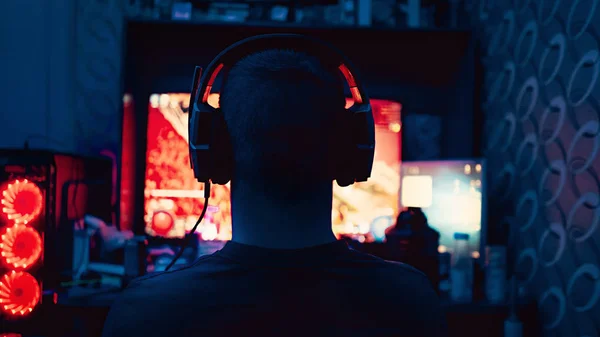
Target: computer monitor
(452, 196)
(173, 199)
(160, 58)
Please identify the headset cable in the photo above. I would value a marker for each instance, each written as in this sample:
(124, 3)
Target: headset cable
(189, 236)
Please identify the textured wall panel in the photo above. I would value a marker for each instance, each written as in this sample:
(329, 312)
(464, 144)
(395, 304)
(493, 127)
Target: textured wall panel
(98, 96)
(542, 139)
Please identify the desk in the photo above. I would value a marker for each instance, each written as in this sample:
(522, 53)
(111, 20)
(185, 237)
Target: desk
(485, 319)
(83, 314)
(89, 297)
(80, 312)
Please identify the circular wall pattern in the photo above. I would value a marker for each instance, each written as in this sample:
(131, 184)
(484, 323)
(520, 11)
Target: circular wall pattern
(560, 235)
(552, 137)
(589, 296)
(557, 106)
(556, 45)
(553, 306)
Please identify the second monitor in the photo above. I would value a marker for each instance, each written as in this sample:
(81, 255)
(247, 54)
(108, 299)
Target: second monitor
(452, 196)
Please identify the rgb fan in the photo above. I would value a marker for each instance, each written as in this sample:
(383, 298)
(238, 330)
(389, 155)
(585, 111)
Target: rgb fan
(22, 201)
(19, 293)
(20, 246)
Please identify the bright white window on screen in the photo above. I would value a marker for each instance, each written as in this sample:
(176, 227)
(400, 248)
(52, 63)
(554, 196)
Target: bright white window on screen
(417, 191)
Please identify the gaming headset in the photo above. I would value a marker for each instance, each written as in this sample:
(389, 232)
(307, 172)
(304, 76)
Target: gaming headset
(211, 153)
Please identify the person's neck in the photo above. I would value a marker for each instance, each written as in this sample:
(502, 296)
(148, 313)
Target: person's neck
(272, 220)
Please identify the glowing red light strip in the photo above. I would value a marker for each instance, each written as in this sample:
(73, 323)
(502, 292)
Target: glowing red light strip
(211, 80)
(351, 83)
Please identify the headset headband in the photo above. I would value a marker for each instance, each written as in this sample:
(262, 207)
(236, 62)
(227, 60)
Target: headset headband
(210, 154)
(329, 56)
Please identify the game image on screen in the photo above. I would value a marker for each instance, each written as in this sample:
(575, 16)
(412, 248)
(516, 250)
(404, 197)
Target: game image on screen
(451, 196)
(174, 199)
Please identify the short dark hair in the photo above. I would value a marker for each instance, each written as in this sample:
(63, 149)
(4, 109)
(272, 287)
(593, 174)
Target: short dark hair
(280, 108)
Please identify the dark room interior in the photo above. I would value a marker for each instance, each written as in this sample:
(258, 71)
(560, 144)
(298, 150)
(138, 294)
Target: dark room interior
(482, 147)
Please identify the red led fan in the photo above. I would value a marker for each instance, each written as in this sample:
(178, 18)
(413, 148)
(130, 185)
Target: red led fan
(162, 223)
(22, 201)
(19, 293)
(20, 246)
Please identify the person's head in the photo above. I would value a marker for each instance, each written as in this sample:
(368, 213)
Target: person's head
(280, 108)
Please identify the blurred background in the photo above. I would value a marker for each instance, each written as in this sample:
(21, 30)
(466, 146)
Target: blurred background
(487, 126)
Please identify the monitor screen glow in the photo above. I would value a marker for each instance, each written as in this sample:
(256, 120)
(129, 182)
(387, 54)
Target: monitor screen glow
(451, 195)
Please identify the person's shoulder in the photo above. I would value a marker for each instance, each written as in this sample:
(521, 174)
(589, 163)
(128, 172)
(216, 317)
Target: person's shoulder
(396, 279)
(407, 292)
(405, 281)
(147, 298)
(396, 267)
(385, 266)
(175, 277)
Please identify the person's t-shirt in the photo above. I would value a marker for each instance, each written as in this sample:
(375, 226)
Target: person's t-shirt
(241, 290)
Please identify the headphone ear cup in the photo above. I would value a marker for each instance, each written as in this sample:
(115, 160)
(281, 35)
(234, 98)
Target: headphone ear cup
(221, 150)
(344, 168)
(199, 124)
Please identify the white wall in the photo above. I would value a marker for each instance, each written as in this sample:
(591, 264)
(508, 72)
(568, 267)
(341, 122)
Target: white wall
(59, 66)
